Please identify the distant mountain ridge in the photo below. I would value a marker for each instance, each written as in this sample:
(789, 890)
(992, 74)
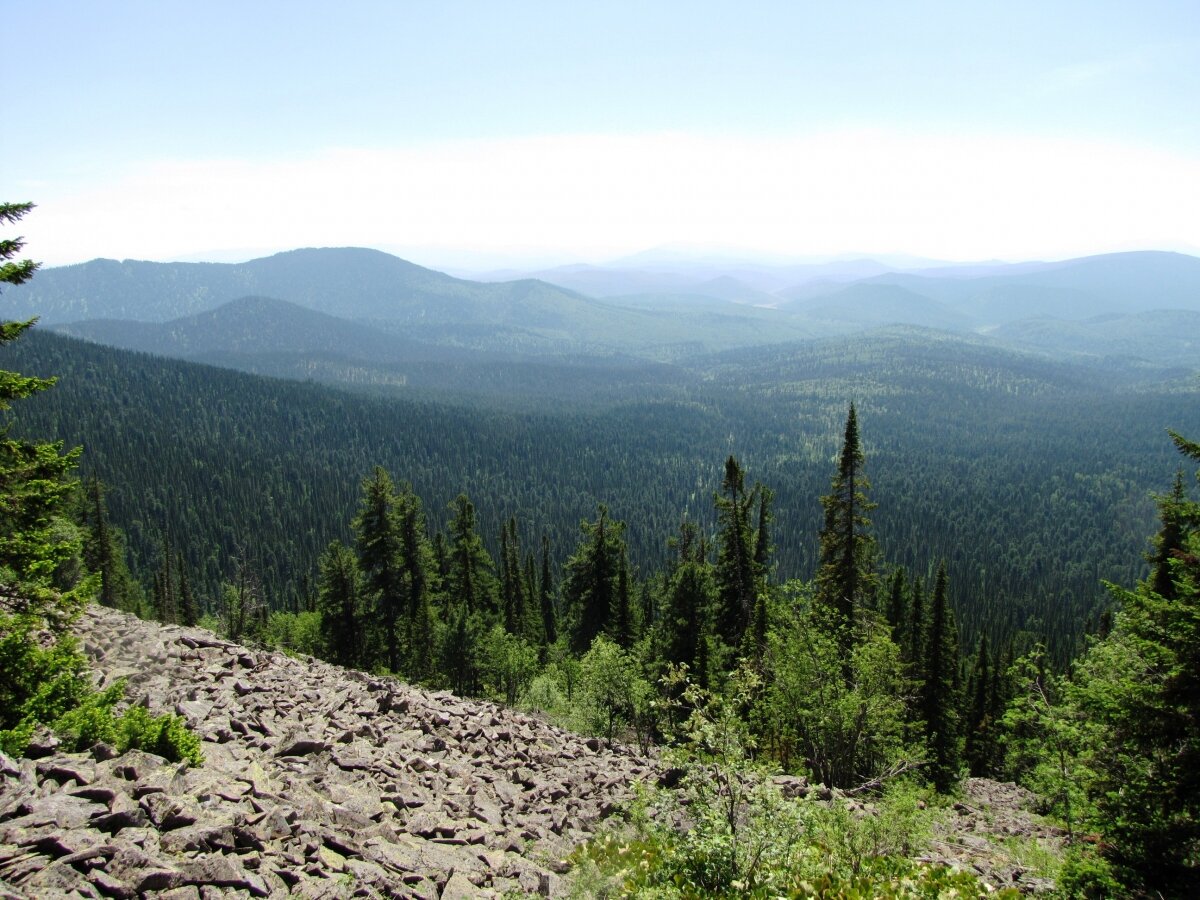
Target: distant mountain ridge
(383, 309)
(352, 283)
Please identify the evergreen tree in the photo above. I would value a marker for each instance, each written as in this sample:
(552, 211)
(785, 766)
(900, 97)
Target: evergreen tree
(1168, 544)
(546, 597)
(623, 626)
(590, 586)
(35, 485)
(164, 598)
(99, 552)
(689, 603)
(939, 699)
(416, 565)
(896, 614)
(1138, 690)
(914, 633)
(187, 601)
(377, 538)
(338, 598)
(736, 573)
(470, 582)
(845, 574)
(980, 727)
(512, 586)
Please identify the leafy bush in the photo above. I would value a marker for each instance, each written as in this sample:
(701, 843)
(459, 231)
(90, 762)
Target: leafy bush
(1087, 876)
(44, 681)
(727, 831)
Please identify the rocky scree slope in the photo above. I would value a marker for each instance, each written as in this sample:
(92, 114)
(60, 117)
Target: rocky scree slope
(318, 782)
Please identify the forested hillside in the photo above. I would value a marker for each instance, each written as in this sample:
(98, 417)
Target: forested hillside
(1032, 479)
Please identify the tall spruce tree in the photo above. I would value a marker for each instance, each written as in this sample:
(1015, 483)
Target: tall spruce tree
(1139, 690)
(736, 572)
(470, 582)
(590, 586)
(338, 598)
(546, 601)
(378, 542)
(939, 695)
(689, 603)
(846, 577)
(979, 747)
(417, 568)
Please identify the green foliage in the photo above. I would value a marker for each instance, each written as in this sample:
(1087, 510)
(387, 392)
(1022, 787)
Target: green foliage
(166, 735)
(1030, 478)
(44, 681)
(839, 717)
(612, 694)
(339, 601)
(728, 832)
(509, 664)
(1085, 875)
(1117, 744)
(846, 578)
(940, 700)
(590, 584)
(295, 633)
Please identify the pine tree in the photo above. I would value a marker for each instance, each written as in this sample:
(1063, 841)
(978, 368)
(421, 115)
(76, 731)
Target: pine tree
(512, 586)
(845, 574)
(470, 582)
(1139, 689)
(980, 727)
(377, 538)
(896, 614)
(34, 477)
(165, 598)
(940, 701)
(338, 594)
(99, 552)
(689, 602)
(913, 646)
(736, 575)
(187, 600)
(1168, 544)
(416, 566)
(590, 585)
(623, 631)
(546, 597)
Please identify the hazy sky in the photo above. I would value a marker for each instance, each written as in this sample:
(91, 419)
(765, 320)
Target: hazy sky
(484, 133)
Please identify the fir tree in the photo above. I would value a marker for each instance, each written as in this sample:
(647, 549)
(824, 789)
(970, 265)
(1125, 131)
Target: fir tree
(377, 539)
(896, 615)
(416, 565)
(845, 574)
(546, 597)
(338, 594)
(623, 626)
(470, 582)
(940, 701)
(1168, 543)
(590, 585)
(736, 576)
(980, 726)
(187, 600)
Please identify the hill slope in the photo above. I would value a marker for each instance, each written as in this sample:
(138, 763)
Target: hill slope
(315, 778)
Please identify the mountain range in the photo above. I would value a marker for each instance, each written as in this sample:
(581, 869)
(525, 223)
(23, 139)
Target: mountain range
(367, 306)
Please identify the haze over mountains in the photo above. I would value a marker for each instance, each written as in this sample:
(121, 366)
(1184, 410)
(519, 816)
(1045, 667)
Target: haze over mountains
(335, 306)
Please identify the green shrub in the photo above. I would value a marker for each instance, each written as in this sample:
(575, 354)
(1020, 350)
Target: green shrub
(166, 735)
(1087, 876)
(44, 681)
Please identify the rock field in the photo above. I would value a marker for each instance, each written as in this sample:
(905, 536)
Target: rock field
(318, 782)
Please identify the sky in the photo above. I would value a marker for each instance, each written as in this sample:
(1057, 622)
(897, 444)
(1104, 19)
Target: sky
(479, 135)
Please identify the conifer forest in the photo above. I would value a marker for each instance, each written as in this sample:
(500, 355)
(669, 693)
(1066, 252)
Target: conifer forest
(886, 561)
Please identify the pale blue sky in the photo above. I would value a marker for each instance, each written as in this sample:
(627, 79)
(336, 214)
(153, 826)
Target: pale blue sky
(549, 132)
